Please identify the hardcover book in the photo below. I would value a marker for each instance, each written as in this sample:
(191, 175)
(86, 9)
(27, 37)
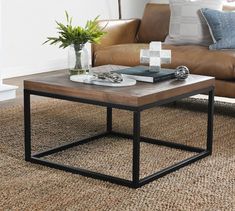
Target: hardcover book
(144, 73)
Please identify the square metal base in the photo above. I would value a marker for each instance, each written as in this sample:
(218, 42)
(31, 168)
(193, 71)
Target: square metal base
(136, 181)
(38, 158)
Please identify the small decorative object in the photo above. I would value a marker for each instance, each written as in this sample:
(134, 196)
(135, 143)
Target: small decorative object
(110, 77)
(76, 37)
(181, 72)
(155, 56)
(103, 79)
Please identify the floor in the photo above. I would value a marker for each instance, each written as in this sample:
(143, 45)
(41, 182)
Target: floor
(18, 81)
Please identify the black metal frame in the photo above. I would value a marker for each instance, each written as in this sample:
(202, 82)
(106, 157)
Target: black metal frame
(136, 182)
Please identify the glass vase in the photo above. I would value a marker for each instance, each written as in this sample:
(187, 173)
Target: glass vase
(78, 60)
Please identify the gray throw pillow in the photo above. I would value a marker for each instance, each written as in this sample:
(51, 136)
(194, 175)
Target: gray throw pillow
(222, 28)
(187, 26)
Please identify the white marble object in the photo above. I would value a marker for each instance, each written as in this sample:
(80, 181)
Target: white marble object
(89, 79)
(155, 56)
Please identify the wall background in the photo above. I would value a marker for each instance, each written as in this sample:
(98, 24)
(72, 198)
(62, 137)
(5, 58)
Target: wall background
(25, 24)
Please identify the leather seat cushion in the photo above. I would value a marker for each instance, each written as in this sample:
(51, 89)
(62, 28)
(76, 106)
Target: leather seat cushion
(200, 60)
(124, 54)
(155, 23)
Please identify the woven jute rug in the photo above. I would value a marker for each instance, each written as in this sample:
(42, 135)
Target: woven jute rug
(208, 184)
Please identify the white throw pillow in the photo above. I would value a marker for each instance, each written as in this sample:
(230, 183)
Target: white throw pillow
(187, 26)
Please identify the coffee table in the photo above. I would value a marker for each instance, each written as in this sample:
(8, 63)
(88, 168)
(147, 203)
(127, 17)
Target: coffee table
(136, 99)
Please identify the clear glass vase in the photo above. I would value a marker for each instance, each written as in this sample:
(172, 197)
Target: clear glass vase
(78, 60)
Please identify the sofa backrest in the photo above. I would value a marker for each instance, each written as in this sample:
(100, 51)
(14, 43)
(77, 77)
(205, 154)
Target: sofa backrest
(155, 22)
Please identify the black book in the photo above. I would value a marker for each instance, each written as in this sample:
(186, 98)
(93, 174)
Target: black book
(144, 73)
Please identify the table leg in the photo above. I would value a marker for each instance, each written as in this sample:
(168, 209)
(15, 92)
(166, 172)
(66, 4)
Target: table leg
(136, 149)
(109, 119)
(27, 125)
(210, 121)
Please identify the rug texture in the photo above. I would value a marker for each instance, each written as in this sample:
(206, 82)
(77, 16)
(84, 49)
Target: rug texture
(208, 184)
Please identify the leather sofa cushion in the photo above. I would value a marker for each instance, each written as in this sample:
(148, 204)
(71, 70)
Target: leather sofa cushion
(124, 54)
(225, 88)
(154, 25)
(220, 64)
(200, 60)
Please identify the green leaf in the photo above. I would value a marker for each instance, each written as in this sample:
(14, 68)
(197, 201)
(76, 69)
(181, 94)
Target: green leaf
(69, 34)
(67, 16)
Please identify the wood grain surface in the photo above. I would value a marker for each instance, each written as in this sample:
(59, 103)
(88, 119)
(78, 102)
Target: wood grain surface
(137, 95)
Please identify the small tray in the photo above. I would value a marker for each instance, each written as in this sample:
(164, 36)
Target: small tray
(89, 79)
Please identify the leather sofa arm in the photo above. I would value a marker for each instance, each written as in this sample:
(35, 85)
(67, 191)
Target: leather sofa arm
(118, 32)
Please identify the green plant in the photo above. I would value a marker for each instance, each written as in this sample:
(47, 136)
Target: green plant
(76, 35)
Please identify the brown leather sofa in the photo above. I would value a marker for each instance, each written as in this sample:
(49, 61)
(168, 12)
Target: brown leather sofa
(124, 39)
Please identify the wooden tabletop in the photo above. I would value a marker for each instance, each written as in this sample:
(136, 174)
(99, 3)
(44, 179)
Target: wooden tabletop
(137, 95)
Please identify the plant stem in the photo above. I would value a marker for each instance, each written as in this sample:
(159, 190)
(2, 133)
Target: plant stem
(78, 64)
(77, 49)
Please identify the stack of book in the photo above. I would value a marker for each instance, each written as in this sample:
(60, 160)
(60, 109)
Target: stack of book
(144, 73)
